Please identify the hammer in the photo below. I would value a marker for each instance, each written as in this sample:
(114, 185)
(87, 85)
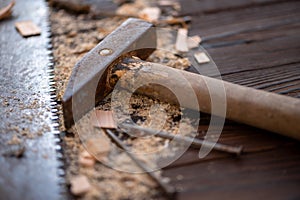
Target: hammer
(94, 76)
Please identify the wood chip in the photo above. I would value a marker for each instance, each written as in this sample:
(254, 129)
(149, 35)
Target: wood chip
(181, 41)
(100, 147)
(104, 119)
(80, 185)
(86, 159)
(194, 42)
(14, 140)
(27, 28)
(150, 14)
(201, 57)
(7, 10)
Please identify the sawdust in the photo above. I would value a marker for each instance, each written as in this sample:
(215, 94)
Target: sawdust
(73, 36)
(14, 140)
(29, 107)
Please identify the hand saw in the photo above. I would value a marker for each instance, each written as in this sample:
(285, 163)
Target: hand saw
(28, 110)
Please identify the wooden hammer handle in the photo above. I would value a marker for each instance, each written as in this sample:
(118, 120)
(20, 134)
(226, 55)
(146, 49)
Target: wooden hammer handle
(269, 111)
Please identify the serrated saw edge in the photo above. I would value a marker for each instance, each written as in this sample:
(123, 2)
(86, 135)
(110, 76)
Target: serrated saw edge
(54, 112)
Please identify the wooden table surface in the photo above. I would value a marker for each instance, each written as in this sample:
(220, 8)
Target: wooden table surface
(255, 43)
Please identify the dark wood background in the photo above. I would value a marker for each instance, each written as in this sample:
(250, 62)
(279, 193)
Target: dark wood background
(255, 43)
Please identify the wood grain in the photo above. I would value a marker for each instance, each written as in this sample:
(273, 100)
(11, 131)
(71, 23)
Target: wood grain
(256, 44)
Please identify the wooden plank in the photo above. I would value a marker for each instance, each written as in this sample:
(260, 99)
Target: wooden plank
(272, 174)
(254, 65)
(253, 140)
(196, 7)
(256, 45)
(270, 53)
(248, 19)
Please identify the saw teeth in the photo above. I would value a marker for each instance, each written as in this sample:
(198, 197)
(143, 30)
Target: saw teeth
(52, 90)
(55, 118)
(53, 109)
(56, 133)
(51, 66)
(60, 172)
(62, 181)
(52, 84)
(55, 125)
(57, 140)
(49, 52)
(58, 148)
(53, 104)
(53, 98)
(51, 59)
(59, 156)
(49, 46)
(50, 71)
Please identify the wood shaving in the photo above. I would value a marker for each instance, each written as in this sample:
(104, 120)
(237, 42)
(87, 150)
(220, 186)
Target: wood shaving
(80, 185)
(27, 28)
(181, 41)
(14, 141)
(99, 147)
(86, 159)
(7, 10)
(151, 14)
(194, 42)
(105, 119)
(201, 57)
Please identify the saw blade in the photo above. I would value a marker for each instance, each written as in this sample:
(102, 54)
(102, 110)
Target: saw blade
(31, 159)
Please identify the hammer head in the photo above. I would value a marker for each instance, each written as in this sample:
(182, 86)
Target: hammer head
(88, 83)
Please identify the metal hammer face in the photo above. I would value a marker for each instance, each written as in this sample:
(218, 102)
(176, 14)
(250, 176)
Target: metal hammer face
(88, 82)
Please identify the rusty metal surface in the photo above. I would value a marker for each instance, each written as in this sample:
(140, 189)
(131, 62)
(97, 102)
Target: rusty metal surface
(27, 109)
(88, 79)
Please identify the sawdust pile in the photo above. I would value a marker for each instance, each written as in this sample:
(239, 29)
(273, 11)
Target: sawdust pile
(73, 36)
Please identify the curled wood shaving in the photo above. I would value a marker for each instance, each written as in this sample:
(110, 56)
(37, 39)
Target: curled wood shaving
(7, 10)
